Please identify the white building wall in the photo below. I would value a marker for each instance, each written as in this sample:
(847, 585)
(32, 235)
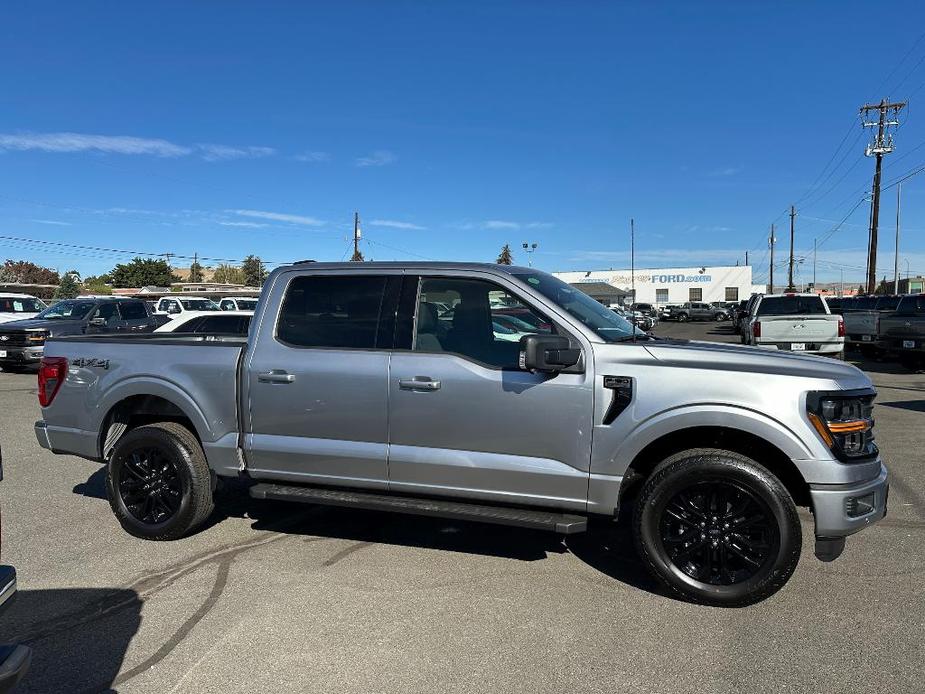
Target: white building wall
(675, 283)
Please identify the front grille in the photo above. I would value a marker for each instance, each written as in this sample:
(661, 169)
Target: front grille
(13, 339)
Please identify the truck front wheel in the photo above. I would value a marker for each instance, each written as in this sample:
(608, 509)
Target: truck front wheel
(158, 482)
(717, 528)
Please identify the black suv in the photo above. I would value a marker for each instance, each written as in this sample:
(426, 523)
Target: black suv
(22, 342)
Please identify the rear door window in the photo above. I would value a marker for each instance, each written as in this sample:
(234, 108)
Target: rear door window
(132, 310)
(332, 311)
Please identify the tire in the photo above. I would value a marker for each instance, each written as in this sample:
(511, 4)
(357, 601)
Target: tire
(689, 551)
(839, 355)
(682, 318)
(162, 466)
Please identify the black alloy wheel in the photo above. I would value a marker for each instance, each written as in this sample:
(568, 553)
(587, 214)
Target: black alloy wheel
(158, 481)
(718, 532)
(150, 485)
(716, 527)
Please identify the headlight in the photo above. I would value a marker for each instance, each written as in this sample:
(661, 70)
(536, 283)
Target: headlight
(36, 337)
(844, 421)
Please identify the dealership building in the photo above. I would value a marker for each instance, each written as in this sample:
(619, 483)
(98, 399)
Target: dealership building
(668, 285)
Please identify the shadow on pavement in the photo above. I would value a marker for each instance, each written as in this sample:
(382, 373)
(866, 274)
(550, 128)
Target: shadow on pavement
(914, 405)
(78, 637)
(95, 486)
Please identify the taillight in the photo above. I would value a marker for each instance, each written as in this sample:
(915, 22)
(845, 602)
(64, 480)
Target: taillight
(756, 329)
(52, 371)
(841, 326)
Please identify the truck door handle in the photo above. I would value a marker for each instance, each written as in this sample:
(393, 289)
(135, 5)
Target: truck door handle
(418, 383)
(275, 377)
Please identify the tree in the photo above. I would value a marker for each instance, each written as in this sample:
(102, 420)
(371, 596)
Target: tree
(861, 290)
(143, 272)
(253, 271)
(98, 284)
(195, 272)
(357, 256)
(228, 274)
(24, 272)
(69, 287)
(505, 257)
(884, 287)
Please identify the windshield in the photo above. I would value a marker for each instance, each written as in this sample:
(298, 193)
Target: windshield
(71, 309)
(608, 325)
(199, 305)
(247, 304)
(17, 305)
(791, 306)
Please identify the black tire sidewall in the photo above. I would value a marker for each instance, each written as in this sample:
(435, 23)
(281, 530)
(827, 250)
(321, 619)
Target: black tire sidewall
(181, 456)
(685, 472)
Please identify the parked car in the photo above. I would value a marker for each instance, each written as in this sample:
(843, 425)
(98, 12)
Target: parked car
(19, 307)
(902, 333)
(695, 310)
(646, 309)
(14, 659)
(666, 312)
(173, 306)
(347, 392)
(861, 316)
(745, 317)
(22, 342)
(737, 314)
(238, 303)
(797, 323)
(212, 322)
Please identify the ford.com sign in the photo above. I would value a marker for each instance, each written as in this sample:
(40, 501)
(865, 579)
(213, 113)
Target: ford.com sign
(667, 279)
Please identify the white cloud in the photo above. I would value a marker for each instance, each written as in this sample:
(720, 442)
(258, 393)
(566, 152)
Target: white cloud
(313, 157)
(279, 217)
(225, 152)
(726, 171)
(78, 142)
(251, 225)
(380, 157)
(500, 224)
(392, 224)
(52, 222)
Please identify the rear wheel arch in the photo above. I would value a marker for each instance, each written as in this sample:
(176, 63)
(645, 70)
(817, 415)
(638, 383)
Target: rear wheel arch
(744, 443)
(140, 410)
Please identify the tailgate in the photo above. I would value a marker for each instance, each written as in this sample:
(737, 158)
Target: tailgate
(816, 328)
(861, 322)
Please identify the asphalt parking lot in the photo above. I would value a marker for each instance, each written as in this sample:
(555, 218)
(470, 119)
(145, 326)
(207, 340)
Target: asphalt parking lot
(279, 597)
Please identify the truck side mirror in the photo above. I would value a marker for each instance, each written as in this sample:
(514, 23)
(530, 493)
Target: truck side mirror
(547, 353)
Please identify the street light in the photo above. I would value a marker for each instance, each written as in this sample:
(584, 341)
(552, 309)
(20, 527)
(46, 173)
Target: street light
(529, 249)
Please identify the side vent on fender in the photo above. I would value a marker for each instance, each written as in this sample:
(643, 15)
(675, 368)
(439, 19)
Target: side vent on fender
(622, 387)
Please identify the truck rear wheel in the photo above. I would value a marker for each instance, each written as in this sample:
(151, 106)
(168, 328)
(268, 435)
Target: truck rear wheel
(717, 528)
(158, 482)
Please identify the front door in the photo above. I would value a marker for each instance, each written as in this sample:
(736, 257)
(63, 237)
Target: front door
(466, 421)
(317, 381)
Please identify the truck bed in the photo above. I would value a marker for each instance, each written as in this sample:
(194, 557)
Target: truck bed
(198, 373)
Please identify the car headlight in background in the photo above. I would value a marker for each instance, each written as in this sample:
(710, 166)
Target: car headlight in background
(36, 337)
(844, 421)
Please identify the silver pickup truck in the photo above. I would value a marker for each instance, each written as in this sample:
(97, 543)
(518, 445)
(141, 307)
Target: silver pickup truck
(387, 386)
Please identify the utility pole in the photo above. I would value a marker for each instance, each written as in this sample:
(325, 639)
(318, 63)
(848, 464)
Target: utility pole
(357, 256)
(882, 144)
(790, 286)
(814, 265)
(899, 188)
(746, 258)
(771, 242)
(168, 256)
(633, 258)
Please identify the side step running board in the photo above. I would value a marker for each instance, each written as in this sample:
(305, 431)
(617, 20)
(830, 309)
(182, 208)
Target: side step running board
(563, 523)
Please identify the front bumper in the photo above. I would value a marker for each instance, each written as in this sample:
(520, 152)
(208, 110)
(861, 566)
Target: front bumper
(833, 505)
(21, 355)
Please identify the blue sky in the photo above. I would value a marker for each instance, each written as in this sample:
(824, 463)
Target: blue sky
(229, 128)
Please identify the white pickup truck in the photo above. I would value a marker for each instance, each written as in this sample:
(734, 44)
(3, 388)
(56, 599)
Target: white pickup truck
(796, 323)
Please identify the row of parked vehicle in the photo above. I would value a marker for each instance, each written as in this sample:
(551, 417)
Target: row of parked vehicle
(26, 322)
(890, 326)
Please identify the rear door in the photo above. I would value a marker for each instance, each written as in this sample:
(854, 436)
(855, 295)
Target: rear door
(465, 420)
(316, 379)
(133, 317)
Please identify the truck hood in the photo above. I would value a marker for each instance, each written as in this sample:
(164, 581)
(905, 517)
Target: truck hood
(725, 357)
(55, 327)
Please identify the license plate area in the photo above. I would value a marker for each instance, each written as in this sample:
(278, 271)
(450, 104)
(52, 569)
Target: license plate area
(908, 344)
(2, 352)
(797, 346)
(865, 338)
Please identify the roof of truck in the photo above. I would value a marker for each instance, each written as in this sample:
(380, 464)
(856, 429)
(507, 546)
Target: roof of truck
(411, 265)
